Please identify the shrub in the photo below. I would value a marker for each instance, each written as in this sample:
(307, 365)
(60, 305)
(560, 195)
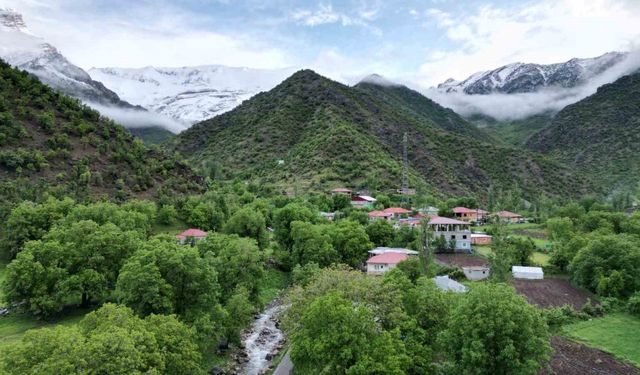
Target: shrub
(634, 304)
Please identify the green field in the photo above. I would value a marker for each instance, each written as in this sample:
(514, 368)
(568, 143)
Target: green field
(13, 327)
(273, 283)
(616, 334)
(538, 257)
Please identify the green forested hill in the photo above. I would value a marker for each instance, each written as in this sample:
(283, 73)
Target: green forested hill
(599, 136)
(49, 142)
(319, 133)
(512, 132)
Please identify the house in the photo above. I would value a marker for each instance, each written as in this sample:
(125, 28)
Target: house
(481, 239)
(384, 250)
(411, 222)
(379, 264)
(446, 284)
(363, 201)
(375, 215)
(397, 211)
(344, 191)
(195, 234)
(328, 215)
(476, 273)
(469, 214)
(530, 273)
(510, 217)
(452, 230)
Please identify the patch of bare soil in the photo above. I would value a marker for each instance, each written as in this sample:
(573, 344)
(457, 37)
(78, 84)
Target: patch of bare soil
(461, 260)
(551, 293)
(571, 358)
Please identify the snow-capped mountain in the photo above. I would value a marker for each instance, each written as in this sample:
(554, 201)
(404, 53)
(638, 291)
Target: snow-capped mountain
(189, 94)
(525, 78)
(20, 48)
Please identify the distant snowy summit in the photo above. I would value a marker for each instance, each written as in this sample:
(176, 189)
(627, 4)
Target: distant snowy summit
(526, 78)
(189, 94)
(20, 48)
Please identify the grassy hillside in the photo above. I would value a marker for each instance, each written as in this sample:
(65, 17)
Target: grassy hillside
(512, 132)
(320, 133)
(50, 143)
(599, 135)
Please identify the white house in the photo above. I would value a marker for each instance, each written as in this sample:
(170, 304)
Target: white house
(531, 273)
(446, 284)
(379, 264)
(476, 273)
(452, 229)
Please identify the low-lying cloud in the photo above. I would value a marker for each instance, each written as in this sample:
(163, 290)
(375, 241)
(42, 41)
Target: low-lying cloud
(136, 118)
(506, 107)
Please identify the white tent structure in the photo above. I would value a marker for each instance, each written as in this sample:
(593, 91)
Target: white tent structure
(446, 284)
(530, 273)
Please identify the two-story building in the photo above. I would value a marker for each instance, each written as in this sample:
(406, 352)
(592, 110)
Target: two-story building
(452, 230)
(470, 214)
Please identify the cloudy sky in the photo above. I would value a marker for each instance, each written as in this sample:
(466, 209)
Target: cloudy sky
(423, 42)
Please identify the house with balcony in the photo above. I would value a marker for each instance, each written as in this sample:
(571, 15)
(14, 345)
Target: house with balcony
(470, 214)
(452, 230)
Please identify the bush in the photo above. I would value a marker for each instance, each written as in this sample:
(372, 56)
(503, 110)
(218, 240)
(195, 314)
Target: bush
(559, 316)
(592, 310)
(634, 304)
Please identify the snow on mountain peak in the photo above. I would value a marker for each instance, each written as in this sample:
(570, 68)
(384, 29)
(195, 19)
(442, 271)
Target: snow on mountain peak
(10, 19)
(379, 80)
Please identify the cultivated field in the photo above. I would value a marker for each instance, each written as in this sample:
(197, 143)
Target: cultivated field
(571, 358)
(461, 260)
(551, 292)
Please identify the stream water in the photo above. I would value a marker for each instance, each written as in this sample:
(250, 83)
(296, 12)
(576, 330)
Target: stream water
(263, 341)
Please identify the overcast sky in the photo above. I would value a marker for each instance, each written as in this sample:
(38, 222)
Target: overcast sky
(424, 42)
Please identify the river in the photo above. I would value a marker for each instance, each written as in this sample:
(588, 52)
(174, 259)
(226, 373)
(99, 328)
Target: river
(263, 341)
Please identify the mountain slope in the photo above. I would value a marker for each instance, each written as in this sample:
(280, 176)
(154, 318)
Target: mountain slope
(319, 133)
(189, 94)
(524, 78)
(599, 135)
(50, 143)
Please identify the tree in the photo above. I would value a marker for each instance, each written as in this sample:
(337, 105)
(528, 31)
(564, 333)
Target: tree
(240, 313)
(336, 337)
(494, 331)
(284, 217)
(563, 253)
(167, 215)
(380, 232)
(76, 262)
(608, 265)
(559, 229)
(163, 277)
(247, 222)
(503, 255)
(341, 202)
(238, 262)
(311, 244)
(350, 241)
(110, 340)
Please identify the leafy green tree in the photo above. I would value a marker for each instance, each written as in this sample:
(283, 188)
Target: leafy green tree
(283, 218)
(503, 254)
(608, 265)
(341, 202)
(494, 331)
(337, 337)
(247, 222)
(238, 262)
(240, 312)
(111, 340)
(350, 241)
(380, 232)
(559, 229)
(76, 262)
(311, 244)
(563, 253)
(163, 277)
(167, 215)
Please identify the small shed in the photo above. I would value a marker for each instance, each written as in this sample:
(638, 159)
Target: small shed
(446, 284)
(530, 273)
(481, 239)
(476, 273)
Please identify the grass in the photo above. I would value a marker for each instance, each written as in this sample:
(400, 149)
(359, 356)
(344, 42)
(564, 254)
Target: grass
(273, 282)
(13, 326)
(538, 257)
(615, 333)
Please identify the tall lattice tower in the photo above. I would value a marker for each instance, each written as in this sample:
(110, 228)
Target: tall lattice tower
(405, 166)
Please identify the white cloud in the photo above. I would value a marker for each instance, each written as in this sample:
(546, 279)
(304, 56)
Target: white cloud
(323, 15)
(547, 32)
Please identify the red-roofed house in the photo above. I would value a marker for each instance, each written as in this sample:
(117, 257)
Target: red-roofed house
(469, 214)
(363, 201)
(397, 211)
(375, 215)
(379, 264)
(453, 231)
(196, 234)
(510, 217)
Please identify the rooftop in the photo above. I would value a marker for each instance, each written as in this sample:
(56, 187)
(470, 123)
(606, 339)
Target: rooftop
(445, 220)
(396, 210)
(508, 214)
(384, 250)
(387, 258)
(192, 233)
